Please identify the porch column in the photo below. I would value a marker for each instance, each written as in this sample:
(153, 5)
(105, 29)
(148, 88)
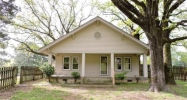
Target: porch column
(50, 59)
(145, 70)
(112, 68)
(83, 68)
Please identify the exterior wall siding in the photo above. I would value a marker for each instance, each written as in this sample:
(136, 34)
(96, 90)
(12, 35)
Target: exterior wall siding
(59, 64)
(92, 64)
(110, 41)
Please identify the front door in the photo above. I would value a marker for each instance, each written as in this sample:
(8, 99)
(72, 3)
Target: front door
(104, 65)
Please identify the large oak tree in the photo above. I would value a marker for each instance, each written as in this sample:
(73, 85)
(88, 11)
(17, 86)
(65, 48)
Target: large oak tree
(157, 29)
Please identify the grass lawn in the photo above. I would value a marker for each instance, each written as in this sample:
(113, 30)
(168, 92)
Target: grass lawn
(126, 91)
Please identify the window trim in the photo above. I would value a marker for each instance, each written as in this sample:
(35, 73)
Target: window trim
(69, 62)
(100, 65)
(129, 63)
(73, 63)
(115, 64)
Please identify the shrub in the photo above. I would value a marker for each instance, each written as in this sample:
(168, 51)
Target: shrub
(48, 70)
(75, 75)
(121, 76)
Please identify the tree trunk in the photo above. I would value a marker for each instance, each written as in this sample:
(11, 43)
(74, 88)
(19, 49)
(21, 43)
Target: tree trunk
(157, 67)
(169, 76)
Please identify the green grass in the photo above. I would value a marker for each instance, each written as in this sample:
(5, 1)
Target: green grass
(40, 94)
(126, 91)
(180, 88)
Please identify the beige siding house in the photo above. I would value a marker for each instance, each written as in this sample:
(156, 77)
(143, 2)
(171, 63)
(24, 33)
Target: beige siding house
(97, 50)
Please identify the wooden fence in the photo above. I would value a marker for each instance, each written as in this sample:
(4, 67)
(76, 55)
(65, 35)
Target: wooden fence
(8, 77)
(180, 73)
(28, 73)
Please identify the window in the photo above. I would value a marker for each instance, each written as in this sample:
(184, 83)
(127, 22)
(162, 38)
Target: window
(75, 62)
(66, 63)
(127, 63)
(118, 65)
(104, 65)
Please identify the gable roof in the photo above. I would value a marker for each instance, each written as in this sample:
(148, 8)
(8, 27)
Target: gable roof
(88, 23)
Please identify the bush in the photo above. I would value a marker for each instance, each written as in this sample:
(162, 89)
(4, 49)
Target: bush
(48, 70)
(75, 75)
(121, 76)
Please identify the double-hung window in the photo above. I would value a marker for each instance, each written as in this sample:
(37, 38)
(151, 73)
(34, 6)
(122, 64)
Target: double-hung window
(66, 61)
(127, 63)
(76, 63)
(118, 63)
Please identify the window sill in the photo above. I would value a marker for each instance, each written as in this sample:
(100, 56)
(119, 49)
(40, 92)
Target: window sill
(75, 69)
(65, 69)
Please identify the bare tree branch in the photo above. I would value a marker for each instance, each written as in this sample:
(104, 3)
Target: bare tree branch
(178, 39)
(141, 4)
(175, 6)
(129, 11)
(28, 48)
(182, 11)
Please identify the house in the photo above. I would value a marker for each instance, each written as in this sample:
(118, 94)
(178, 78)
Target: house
(97, 50)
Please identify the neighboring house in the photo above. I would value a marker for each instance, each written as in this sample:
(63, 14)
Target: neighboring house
(98, 50)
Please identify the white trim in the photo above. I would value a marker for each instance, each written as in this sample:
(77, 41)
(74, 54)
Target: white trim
(112, 68)
(83, 65)
(130, 64)
(115, 64)
(87, 24)
(50, 58)
(107, 65)
(145, 69)
(73, 63)
(63, 63)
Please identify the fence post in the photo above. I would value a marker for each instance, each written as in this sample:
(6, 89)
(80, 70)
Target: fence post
(34, 73)
(21, 74)
(13, 76)
(184, 76)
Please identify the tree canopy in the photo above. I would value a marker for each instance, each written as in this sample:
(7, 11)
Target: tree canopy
(157, 18)
(8, 10)
(43, 21)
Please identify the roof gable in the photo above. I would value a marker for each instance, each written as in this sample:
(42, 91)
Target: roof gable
(89, 23)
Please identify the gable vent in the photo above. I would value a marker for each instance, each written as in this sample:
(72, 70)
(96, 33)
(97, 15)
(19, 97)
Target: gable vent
(97, 35)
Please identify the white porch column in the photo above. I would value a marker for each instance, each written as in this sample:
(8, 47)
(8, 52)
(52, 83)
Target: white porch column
(145, 70)
(50, 59)
(112, 68)
(83, 68)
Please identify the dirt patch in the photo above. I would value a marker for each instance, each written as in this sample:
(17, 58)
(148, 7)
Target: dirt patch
(6, 94)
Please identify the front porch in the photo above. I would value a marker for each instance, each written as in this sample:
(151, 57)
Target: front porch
(93, 69)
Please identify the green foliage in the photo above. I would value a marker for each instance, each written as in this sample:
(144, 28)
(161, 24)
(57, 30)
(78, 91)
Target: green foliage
(179, 58)
(121, 76)
(7, 11)
(48, 70)
(75, 75)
